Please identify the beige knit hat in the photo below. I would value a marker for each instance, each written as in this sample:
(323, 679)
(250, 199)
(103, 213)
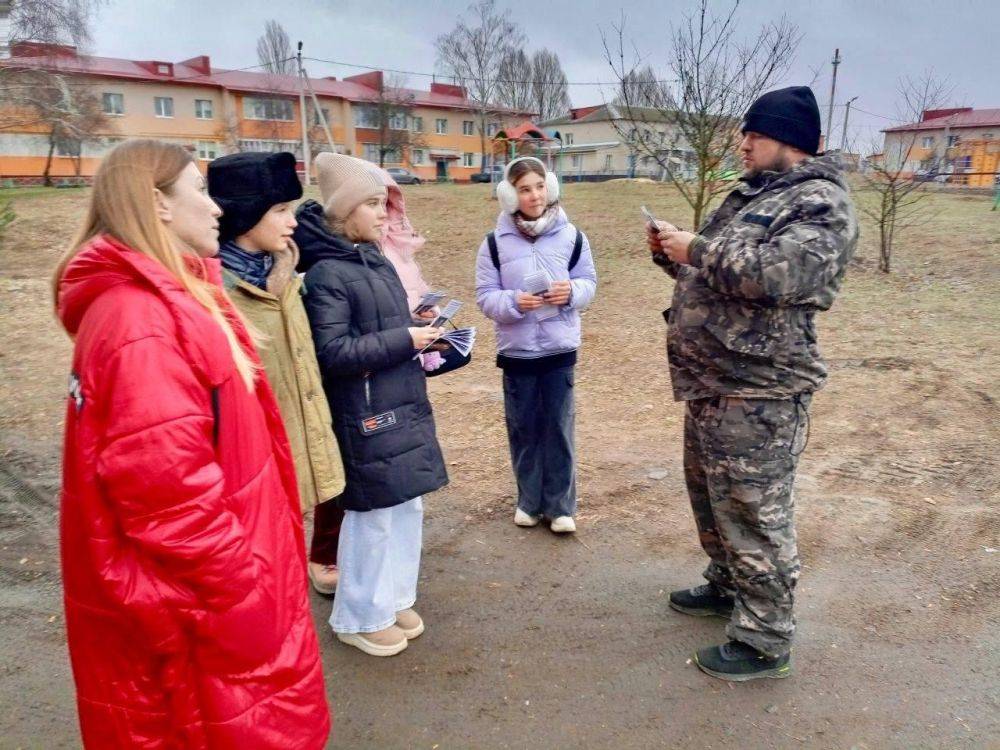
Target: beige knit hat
(345, 183)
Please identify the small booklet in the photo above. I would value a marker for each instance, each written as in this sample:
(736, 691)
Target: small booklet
(428, 302)
(460, 339)
(538, 283)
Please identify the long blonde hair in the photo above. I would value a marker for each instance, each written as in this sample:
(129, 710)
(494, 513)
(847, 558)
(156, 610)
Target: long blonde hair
(123, 206)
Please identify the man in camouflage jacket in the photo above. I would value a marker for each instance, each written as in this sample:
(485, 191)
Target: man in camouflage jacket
(741, 342)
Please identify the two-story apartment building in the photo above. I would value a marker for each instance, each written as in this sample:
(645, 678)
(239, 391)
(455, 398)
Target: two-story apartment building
(217, 111)
(961, 143)
(601, 141)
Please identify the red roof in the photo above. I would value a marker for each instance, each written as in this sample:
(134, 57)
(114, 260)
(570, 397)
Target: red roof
(526, 128)
(198, 71)
(962, 118)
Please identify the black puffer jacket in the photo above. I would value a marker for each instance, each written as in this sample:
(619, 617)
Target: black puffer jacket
(377, 392)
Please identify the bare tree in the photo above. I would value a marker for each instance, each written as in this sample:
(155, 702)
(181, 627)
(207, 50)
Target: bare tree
(47, 22)
(549, 87)
(899, 188)
(274, 50)
(514, 84)
(69, 110)
(714, 77)
(472, 52)
(641, 88)
(53, 21)
(389, 116)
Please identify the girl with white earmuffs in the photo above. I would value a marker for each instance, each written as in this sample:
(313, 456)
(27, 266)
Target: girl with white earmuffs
(534, 247)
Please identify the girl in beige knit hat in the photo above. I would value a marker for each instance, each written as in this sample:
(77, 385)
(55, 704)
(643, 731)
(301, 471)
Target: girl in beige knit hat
(367, 345)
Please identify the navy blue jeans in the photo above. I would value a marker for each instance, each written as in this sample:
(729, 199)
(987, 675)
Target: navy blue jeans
(540, 419)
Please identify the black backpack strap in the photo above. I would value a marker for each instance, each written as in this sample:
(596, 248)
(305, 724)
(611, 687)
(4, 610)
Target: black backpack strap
(491, 240)
(577, 250)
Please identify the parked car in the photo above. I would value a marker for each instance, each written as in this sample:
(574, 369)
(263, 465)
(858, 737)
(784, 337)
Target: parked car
(487, 174)
(404, 176)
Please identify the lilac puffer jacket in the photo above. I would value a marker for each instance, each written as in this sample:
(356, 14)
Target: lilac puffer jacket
(522, 334)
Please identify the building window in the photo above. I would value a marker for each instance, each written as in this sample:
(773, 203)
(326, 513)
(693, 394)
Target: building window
(928, 141)
(952, 140)
(371, 153)
(492, 129)
(164, 106)
(317, 121)
(468, 127)
(397, 121)
(69, 147)
(207, 150)
(468, 160)
(441, 127)
(203, 109)
(417, 124)
(607, 162)
(567, 139)
(365, 117)
(268, 108)
(575, 161)
(271, 147)
(163, 69)
(417, 156)
(114, 104)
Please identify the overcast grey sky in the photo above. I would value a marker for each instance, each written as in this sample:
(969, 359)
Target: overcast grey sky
(879, 40)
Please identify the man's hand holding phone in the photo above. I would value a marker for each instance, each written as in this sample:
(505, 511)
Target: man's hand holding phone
(665, 239)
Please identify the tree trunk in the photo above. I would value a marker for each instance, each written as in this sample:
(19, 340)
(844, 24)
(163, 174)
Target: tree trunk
(482, 141)
(48, 164)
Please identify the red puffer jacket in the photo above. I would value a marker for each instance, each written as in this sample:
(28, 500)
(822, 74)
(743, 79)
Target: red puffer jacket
(182, 554)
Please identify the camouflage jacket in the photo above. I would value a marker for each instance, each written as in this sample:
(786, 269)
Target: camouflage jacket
(772, 254)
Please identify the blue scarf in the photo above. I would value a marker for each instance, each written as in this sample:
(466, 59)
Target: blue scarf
(253, 268)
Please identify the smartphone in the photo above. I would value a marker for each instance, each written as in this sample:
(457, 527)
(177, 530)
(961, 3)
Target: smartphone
(649, 217)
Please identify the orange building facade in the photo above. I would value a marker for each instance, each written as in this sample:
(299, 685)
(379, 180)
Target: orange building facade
(961, 146)
(214, 111)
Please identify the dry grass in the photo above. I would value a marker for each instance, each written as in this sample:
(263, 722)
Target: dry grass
(903, 439)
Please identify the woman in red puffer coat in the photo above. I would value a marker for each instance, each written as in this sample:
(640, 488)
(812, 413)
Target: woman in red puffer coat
(185, 589)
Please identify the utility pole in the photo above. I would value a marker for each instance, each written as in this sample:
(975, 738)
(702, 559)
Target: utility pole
(305, 118)
(843, 136)
(833, 94)
(320, 115)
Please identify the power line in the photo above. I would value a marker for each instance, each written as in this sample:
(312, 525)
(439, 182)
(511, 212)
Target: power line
(509, 81)
(234, 70)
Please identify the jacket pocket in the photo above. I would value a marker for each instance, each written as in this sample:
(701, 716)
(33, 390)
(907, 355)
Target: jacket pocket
(746, 329)
(245, 636)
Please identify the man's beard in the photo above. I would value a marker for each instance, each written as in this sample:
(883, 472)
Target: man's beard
(781, 163)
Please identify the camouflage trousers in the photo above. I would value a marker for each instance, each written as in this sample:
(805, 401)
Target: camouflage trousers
(740, 457)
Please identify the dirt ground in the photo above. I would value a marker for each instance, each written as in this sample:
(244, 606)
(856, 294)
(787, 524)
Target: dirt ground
(538, 641)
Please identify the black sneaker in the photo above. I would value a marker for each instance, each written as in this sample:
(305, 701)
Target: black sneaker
(738, 662)
(707, 600)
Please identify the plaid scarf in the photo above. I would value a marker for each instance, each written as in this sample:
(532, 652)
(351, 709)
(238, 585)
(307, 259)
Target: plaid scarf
(532, 228)
(253, 268)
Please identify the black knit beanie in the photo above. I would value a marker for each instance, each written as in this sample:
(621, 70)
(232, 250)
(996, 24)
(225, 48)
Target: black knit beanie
(246, 186)
(788, 115)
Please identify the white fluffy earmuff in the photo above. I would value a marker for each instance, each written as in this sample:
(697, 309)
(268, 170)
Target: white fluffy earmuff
(507, 193)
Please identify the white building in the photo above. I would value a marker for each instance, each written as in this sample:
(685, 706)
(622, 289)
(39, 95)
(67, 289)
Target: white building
(599, 142)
